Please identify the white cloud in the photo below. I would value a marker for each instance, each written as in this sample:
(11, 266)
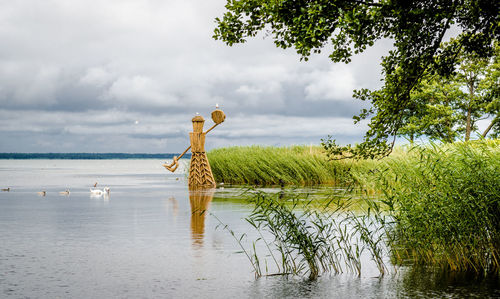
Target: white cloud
(96, 76)
(248, 90)
(109, 63)
(280, 126)
(141, 90)
(335, 84)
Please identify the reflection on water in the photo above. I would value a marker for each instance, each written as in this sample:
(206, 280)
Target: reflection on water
(173, 204)
(153, 240)
(199, 199)
(421, 282)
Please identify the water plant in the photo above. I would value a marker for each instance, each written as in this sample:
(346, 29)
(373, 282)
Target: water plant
(267, 165)
(438, 206)
(445, 202)
(252, 256)
(303, 239)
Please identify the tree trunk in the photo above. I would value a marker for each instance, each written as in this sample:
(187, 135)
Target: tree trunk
(469, 111)
(468, 126)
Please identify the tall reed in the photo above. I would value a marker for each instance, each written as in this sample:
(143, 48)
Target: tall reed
(312, 241)
(259, 165)
(439, 205)
(445, 201)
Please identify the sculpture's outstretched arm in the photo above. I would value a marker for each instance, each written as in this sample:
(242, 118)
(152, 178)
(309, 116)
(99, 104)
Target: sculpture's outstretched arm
(176, 161)
(170, 167)
(211, 128)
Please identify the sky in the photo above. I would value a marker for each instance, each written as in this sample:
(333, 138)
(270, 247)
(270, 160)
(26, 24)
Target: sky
(128, 76)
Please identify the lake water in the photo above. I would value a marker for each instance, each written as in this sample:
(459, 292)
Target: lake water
(143, 241)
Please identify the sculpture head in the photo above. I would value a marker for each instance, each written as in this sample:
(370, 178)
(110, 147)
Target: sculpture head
(198, 122)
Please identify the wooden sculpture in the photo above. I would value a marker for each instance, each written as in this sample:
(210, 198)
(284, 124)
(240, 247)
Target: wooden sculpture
(200, 173)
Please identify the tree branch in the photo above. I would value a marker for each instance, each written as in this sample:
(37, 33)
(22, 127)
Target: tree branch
(489, 127)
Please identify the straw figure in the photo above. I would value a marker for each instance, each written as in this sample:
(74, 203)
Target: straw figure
(200, 173)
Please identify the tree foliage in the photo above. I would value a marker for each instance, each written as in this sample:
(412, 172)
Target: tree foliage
(349, 27)
(445, 108)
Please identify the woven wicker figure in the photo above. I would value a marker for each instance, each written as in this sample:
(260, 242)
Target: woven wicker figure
(200, 173)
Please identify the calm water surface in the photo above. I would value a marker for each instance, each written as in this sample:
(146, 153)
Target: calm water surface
(143, 241)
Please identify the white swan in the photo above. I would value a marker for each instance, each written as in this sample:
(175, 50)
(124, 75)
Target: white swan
(98, 192)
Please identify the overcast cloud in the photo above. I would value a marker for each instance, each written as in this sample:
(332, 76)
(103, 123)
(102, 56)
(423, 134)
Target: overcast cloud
(128, 76)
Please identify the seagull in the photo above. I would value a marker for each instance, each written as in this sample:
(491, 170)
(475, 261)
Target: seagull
(42, 193)
(216, 106)
(64, 192)
(6, 189)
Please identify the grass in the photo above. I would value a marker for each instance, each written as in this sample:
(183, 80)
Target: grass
(303, 239)
(260, 165)
(445, 201)
(439, 206)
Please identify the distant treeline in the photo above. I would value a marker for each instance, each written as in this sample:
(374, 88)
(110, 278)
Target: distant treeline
(87, 156)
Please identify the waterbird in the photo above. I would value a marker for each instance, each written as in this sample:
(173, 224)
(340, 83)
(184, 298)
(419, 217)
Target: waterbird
(6, 189)
(42, 193)
(95, 185)
(64, 192)
(98, 192)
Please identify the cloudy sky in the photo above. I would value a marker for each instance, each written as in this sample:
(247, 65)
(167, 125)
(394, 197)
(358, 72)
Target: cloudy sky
(128, 76)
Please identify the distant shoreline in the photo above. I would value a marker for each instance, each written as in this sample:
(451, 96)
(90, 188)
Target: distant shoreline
(85, 156)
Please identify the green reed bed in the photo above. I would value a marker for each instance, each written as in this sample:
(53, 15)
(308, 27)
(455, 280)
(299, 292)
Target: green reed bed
(437, 206)
(260, 165)
(445, 201)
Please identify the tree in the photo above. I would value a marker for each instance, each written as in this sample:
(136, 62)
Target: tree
(431, 113)
(451, 106)
(492, 103)
(416, 27)
(470, 73)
